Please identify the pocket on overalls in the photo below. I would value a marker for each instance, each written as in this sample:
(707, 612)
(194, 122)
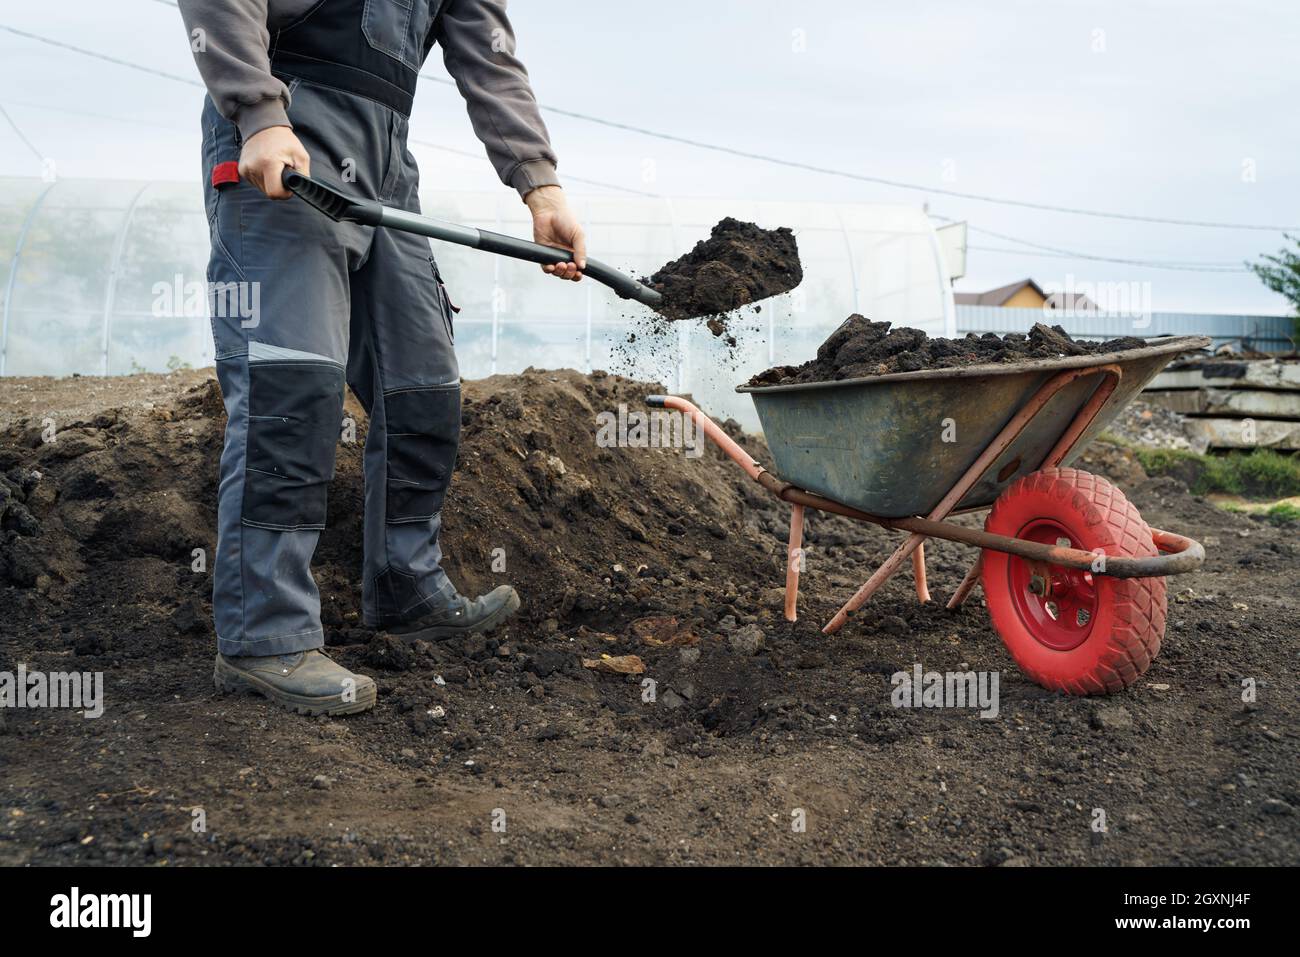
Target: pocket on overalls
(398, 27)
(444, 300)
(225, 234)
(221, 147)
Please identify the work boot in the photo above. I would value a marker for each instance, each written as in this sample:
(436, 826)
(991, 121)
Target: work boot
(461, 616)
(307, 682)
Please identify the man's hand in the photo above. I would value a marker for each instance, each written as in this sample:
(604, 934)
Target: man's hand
(555, 225)
(266, 154)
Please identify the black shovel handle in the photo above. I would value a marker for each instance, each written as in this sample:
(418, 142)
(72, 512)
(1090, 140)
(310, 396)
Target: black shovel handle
(340, 207)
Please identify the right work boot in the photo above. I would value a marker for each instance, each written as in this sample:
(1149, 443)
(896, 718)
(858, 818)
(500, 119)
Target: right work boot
(307, 682)
(460, 616)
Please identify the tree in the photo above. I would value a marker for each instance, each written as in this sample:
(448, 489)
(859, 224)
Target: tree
(1281, 273)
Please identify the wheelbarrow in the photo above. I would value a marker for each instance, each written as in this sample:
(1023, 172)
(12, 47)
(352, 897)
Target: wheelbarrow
(1072, 575)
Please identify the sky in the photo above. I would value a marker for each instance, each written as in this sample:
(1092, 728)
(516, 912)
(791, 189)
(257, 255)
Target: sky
(1175, 110)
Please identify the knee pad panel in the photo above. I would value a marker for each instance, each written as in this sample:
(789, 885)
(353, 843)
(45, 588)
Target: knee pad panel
(422, 431)
(294, 415)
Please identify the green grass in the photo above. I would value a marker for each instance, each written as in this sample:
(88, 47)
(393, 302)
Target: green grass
(1272, 472)
(1261, 473)
(1283, 513)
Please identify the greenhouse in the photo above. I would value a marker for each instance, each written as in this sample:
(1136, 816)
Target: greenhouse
(107, 277)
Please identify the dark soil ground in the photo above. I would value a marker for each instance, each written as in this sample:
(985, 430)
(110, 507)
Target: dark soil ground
(739, 264)
(753, 721)
(860, 347)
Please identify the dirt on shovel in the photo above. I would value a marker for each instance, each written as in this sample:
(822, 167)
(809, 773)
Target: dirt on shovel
(739, 264)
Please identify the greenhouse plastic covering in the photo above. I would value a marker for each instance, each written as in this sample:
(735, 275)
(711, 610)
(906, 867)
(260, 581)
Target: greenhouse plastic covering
(107, 277)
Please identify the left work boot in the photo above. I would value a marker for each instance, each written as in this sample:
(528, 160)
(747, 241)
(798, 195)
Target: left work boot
(308, 682)
(461, 616)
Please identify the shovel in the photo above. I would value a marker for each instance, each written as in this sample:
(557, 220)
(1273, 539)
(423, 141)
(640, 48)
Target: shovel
(342, 208)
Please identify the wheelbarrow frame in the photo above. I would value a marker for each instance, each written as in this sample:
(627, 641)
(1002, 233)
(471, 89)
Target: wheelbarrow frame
(1176, 554)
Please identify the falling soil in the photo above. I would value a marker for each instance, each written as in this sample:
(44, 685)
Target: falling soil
(738, 265)
(860, 347)
(106, 549)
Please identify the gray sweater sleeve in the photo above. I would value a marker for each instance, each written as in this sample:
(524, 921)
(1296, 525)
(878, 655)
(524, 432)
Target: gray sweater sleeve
(478, 48)
(231, 53)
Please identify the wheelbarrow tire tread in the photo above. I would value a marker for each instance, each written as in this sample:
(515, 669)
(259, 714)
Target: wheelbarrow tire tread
(1131, 612)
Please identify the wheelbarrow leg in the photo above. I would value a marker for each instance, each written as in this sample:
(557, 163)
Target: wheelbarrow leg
(918, 574)
(891, 565)
(967, 584)
(793, 559)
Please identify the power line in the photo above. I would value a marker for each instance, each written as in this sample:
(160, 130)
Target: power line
(102, 56)
(900, 184)
(90, 113)
(1180, 267)
(795, 164)
(172, 126)
(1070, 252)
(1041, 249)
(567, 176)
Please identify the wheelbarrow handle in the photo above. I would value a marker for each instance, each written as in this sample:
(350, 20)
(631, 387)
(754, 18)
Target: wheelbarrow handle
(340, 207)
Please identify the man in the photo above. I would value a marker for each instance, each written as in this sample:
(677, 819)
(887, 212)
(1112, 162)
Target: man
(326, 87)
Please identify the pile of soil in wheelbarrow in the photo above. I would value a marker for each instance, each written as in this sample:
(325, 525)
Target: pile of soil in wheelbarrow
(739, 264)
(860, 347)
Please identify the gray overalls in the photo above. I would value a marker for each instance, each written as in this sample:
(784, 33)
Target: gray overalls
(333, 302)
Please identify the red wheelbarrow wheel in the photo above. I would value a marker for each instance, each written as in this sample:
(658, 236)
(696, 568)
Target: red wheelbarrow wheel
(1071, 630)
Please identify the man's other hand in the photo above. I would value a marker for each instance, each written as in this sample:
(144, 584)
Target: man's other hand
(266, 154)
(555, 225)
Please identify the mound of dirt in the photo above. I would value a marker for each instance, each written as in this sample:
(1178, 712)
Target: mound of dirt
(121, 497)
(739, 264)
(860, 347)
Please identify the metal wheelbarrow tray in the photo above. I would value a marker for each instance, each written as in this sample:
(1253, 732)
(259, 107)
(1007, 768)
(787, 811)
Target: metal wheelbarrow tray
(1072, 576)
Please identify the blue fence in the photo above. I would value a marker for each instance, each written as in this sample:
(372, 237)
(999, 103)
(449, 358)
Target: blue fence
(1263, 333)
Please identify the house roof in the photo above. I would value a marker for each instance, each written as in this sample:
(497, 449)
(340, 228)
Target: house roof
(999, 296)
(996, 297)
